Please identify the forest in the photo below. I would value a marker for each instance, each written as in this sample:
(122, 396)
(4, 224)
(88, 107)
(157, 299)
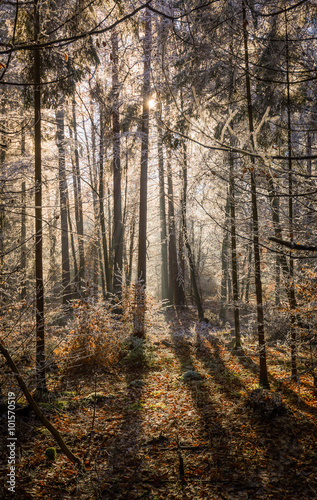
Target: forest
(158, 262)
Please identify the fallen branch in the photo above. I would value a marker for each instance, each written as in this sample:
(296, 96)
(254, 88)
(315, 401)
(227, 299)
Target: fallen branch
(38, 412)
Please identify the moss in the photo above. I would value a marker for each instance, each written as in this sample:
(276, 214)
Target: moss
(137, 383)
(95, 397)
(191, 375)
(50, 454)
(138, 353)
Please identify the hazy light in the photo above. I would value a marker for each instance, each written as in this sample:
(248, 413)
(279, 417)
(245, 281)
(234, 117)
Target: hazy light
(151, 103)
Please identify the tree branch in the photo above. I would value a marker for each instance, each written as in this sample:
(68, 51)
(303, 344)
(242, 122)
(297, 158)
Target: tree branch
(293, 246)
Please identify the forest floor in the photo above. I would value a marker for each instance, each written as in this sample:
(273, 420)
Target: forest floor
(180, 427)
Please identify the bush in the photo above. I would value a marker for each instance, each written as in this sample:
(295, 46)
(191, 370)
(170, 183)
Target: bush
(94, 338)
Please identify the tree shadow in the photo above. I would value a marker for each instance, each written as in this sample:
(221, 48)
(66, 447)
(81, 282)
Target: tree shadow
(208, 352)
(247, 362)
(226, 466)
(279, 437)
(271, 440)
(119, 461)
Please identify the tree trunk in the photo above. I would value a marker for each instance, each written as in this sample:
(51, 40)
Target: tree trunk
(78, 202)
(224, 266)
(101, 204)
(117, 210)
(290, 214)
(23, 244)
(132, 234)
(63, 195)
(277, 281)
(2, 200)
(248, 282)
(40, 330)
(93, 183)
(139, 327)
(278, 234)
(177, 296)
(255, 221)
(124, 214)
(310, 203)
(52, 273)
(72, 243)
(234, 260)
(192, 269)
(100, 270)
(163, 234)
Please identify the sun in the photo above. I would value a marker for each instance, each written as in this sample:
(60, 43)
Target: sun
(151, 103)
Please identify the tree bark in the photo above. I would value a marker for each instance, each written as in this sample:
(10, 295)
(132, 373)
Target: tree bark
(192, 266)
(93, 183)
(101, 204)
(139, 327)
(224, 266)
(234, 260)
(63, 196)
(23, 244)
(290, 214)
(78, 202)
(40, 329)
(131, 248)
(72, 244)
(163, 233)
(255, 221)
(248, 282)
(117, 209)
(177, 295)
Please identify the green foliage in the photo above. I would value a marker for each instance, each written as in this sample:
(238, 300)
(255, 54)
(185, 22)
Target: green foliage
(137, 353)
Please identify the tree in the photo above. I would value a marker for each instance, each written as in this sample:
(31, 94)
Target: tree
(163, 228)
(139, 330)
(117, 210)
(40, 331)
(63, 193)
(78, 202)
(255, 220)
